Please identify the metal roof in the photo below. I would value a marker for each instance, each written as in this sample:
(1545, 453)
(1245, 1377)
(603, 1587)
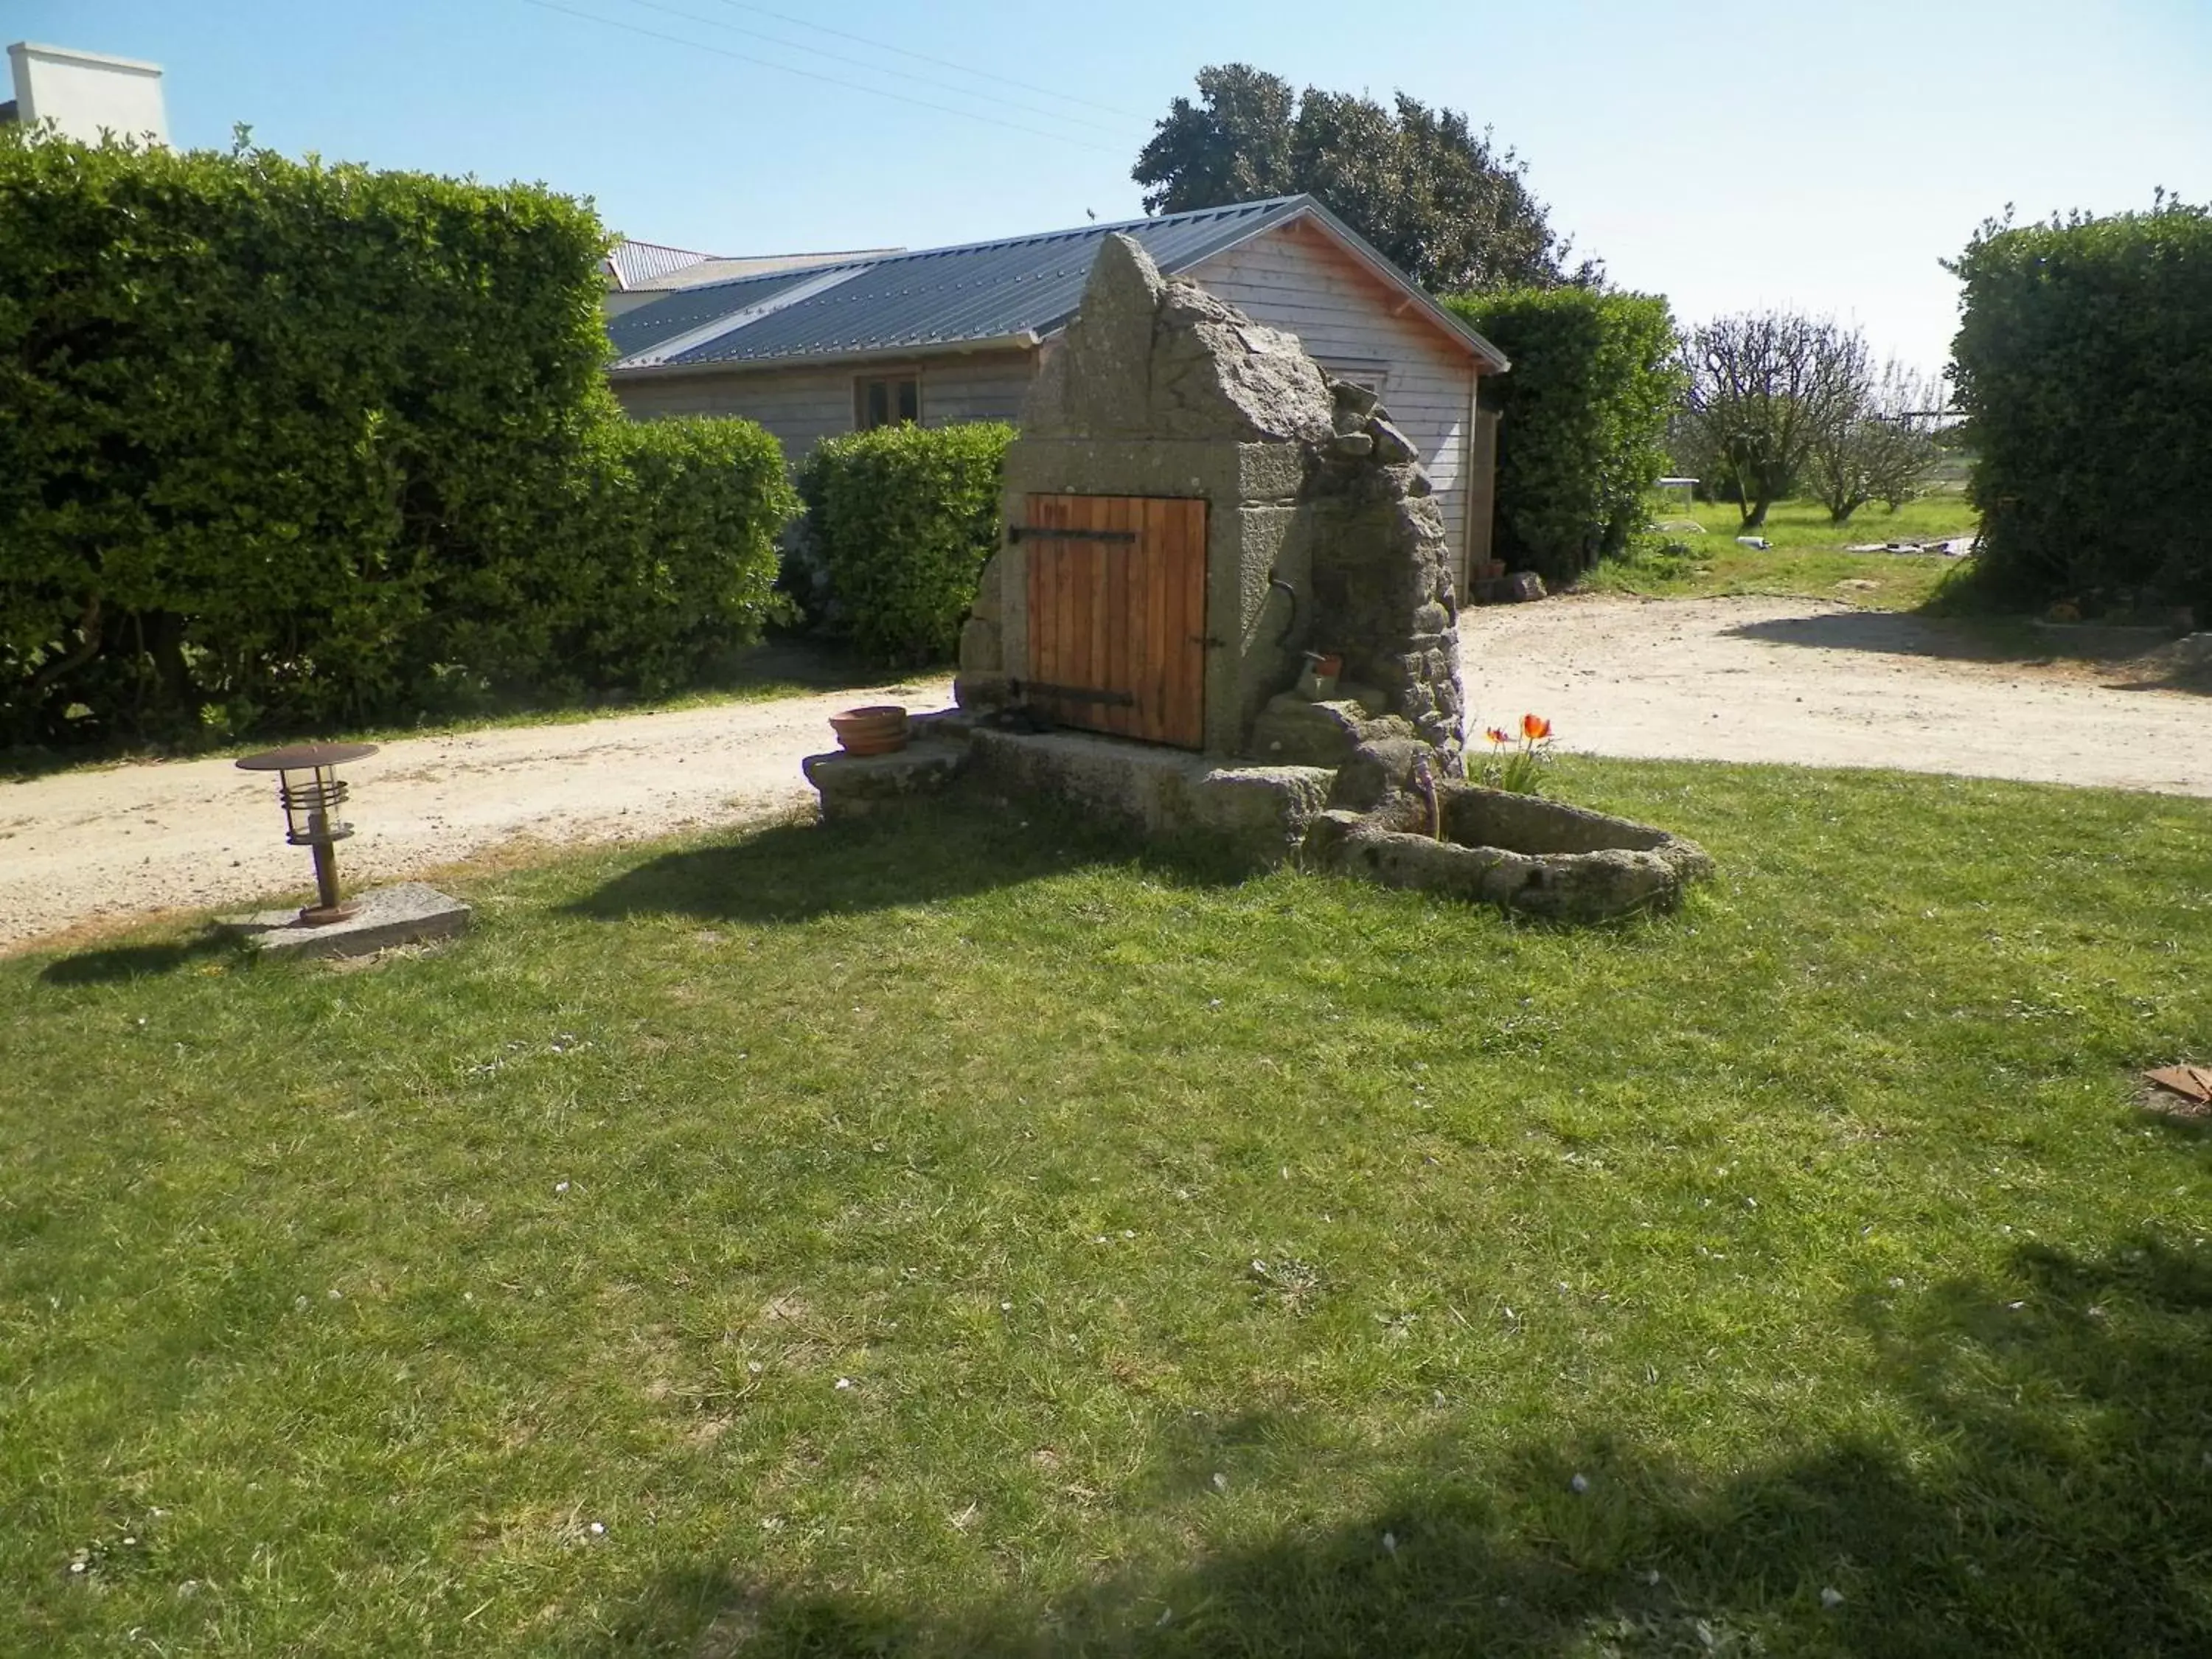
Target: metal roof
(635, 264)
(1019, 289)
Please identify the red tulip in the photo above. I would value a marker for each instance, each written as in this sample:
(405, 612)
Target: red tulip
(1496, 736)
(1535, 727)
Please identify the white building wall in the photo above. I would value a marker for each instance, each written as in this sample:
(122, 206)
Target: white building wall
(802, 406)
(1296, 279)
(85, 93)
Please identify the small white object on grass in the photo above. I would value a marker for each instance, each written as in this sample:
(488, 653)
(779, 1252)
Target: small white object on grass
(598, 1529)
(844, 1382)
(1831, 1598)
(1580, 1483)
(1221, 1482)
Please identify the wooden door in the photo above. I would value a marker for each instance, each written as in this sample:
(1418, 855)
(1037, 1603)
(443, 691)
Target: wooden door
(1117, 614)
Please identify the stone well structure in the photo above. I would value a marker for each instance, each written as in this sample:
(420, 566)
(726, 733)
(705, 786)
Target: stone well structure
(1319, 535)
(1191, 509)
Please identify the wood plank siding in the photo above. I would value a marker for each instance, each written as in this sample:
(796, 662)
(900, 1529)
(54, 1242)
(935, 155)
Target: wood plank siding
(1295, 276)
(1297, 279)
(802, 406)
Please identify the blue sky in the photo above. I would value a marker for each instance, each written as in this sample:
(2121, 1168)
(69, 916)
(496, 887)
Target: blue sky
(1727, 154)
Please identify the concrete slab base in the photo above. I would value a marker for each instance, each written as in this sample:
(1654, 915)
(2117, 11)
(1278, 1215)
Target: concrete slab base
(411, 912)
(1261, 811)
(856, 786)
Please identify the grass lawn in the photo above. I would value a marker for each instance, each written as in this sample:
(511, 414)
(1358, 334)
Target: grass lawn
(1807, 557)
(966, 1236)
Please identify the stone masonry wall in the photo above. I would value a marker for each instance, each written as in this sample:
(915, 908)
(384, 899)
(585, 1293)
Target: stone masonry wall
(1160, 389)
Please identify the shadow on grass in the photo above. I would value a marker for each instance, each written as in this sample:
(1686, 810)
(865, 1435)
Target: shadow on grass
(918, 854)
(113, 964)
(2057, 1499)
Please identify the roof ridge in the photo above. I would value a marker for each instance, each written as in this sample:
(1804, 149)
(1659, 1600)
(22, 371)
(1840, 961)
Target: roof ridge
(1035, 237)
(1187, 216)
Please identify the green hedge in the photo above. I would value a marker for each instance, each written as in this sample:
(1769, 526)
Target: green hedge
(2083, 363)
(284, 445)
(1583, 419)
(899, 523)
(657, 555)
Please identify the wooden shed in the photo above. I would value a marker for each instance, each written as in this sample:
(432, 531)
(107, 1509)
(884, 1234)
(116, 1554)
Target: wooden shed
(947, 335)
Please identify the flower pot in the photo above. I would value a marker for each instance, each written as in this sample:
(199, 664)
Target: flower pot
(880, 729)
(1493, 570)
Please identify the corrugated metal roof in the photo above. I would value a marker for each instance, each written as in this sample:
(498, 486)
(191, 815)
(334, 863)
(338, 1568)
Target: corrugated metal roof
(635, 264)
(760, 265)
(643, 331)
(941, 296)
(1024, 286)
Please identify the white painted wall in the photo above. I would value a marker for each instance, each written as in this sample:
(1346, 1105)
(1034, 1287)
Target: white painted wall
(1296, 279)
(86, 92)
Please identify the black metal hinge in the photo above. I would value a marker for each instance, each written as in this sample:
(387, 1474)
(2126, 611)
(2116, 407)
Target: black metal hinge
(1075, 694)
(1023, 532)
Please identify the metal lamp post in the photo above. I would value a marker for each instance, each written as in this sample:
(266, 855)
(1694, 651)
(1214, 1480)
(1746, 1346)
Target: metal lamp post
(312, 792)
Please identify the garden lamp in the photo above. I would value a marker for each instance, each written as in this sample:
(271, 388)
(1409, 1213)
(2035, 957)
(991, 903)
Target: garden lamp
(311, 792)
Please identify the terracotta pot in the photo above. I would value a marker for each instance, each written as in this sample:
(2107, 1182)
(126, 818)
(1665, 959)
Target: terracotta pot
(1329, 665)
(880, 729)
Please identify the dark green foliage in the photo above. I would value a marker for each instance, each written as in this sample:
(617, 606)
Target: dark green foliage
(2084, 365)
(1421, 184)
(659, 558)
(286, 445)
(1582, 421)
(899, 523)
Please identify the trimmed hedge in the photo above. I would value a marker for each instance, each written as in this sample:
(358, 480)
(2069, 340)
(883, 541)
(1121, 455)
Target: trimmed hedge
(660, 555)
(284, 445)
(1583, 419)
(899, 523)
(2083, 363)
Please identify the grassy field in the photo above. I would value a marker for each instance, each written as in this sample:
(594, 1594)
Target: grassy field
(968, 1236)
(1807, 557)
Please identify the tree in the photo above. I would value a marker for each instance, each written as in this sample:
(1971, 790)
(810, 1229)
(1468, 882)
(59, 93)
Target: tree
(1764, 388)
(1420, 184)
(1882, 451)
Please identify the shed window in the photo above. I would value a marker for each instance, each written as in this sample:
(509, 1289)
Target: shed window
(1365, 372)
(886, 400)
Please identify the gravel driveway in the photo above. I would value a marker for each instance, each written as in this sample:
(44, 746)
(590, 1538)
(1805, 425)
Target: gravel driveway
(87, 845)
(1813, 683)
(1789, 680)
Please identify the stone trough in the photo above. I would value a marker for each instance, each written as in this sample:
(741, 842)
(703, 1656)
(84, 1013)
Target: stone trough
(1522, 853)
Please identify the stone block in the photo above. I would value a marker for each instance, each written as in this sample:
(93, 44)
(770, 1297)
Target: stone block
(859, 786)
(1259, 812)
(409, 913)
(1293, 731)
(1391, 446)
(976, 693)
(981, 651)
(990, 599)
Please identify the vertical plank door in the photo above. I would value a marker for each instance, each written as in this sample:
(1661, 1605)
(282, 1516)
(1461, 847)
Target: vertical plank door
(1117, 614)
